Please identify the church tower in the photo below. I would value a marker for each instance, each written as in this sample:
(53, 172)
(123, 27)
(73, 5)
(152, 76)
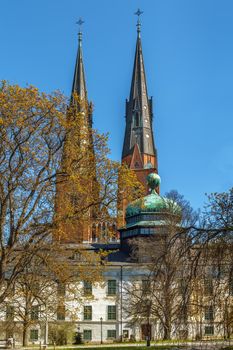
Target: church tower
(139, 151)
(74, 227)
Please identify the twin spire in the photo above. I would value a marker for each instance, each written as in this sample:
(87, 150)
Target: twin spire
(138, 131)
(79, 82)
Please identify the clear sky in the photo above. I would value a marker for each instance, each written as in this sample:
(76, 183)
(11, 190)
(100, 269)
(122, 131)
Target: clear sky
(188, 54)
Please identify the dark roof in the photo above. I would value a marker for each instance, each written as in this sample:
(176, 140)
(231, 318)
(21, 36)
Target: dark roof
(139, 110)
(79, 82)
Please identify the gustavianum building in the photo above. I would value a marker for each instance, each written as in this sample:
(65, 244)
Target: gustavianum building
(103, 314)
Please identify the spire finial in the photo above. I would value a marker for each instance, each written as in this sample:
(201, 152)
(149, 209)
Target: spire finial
(80, 23)
(138, 13)
(153, 181)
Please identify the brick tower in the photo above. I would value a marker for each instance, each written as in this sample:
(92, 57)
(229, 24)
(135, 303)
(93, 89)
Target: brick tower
(139, 151)
(76, 228)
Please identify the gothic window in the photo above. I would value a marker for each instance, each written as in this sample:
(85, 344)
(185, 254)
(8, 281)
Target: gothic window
(136, 165)
(114, 233)
(94, 236)
(104, 230)
(136, 119)
(148, 165)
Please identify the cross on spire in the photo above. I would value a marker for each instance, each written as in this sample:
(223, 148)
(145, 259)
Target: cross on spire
(80, 23)
(79, 83)
(138, 13)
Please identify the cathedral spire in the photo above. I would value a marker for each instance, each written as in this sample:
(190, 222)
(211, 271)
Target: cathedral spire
(79, 82)
(139, 150)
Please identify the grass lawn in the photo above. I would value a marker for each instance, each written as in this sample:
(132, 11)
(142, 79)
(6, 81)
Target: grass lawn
(162, 347)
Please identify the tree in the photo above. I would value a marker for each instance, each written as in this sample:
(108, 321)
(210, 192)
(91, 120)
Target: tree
(31, 140)
(45, 146)
(164, 294)
(210, 238)
(188, 215)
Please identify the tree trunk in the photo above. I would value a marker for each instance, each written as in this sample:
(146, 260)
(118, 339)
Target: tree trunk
(25, 334)
(167, 330)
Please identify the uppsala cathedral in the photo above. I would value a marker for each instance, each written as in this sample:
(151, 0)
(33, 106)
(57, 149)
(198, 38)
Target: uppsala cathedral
(106, 310)
(101, 315)
(138, 152)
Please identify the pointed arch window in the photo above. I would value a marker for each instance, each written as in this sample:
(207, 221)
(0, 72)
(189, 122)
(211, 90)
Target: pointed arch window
(94, 233)
(136, 119)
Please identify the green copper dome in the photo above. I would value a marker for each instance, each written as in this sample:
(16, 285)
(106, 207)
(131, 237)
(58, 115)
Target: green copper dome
(152, 202)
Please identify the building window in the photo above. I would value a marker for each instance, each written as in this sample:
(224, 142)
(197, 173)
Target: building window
(35, 312)
(87, 288)
(182, 286)
(61, 289)
(208, 286)
(36, 288)
(87, 334)
(74, 200)
(231, 286)
(111, 333)
(209, 313)
(136, 120)
(34, 334)
(125, 333)
(145, 286)
(111, 287)
(61, 312)
(9, 334)
(10, 313)
(217, 272)
(209, 330)
(111, 312)
(87, 313)
(76, 256)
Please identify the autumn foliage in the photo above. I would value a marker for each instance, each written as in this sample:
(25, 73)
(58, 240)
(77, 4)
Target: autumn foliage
(56, 177)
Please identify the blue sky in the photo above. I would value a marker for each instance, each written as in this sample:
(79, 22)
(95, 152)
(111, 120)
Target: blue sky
(188, 54)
